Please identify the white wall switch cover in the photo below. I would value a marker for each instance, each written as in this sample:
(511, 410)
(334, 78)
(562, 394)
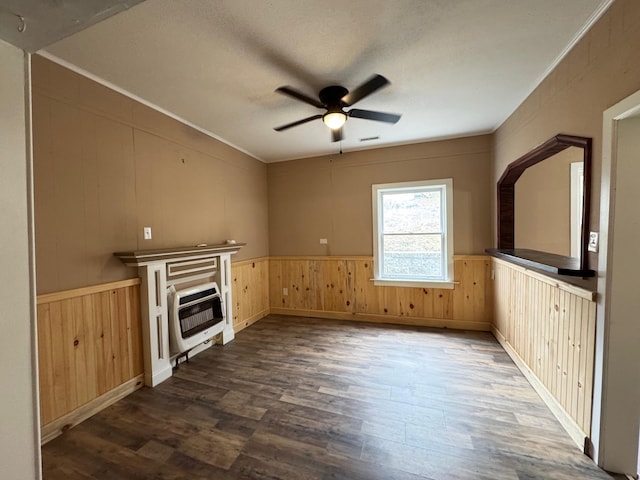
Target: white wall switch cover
(593, 242)
(285, 291)
(323, 241)
(147, 233)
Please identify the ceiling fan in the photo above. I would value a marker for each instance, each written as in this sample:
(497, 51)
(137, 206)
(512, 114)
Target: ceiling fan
(334, 99)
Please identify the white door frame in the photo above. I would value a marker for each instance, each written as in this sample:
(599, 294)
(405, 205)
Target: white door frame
(615, 444)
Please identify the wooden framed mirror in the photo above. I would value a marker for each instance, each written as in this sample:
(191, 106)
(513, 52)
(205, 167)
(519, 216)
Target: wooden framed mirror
(552, 209)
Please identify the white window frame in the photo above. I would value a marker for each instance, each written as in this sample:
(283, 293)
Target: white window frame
(445, 186)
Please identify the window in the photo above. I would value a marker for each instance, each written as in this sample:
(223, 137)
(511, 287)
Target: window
(413, 233)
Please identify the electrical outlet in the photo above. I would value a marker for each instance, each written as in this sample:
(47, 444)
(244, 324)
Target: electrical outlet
(285, 291)
(323, 241)
(147, 233)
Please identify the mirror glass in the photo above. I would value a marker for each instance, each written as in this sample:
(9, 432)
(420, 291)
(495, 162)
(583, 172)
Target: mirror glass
(548, 204)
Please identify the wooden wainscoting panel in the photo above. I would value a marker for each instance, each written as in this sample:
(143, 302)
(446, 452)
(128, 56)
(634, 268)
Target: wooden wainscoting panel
(297, 279)
(276, 298)
(104, 341)
(89, 342)
(368, 297)
(550, 327)
(46, 364)
(472, 299)
(337, 276)
(342, 287)
(250, 291)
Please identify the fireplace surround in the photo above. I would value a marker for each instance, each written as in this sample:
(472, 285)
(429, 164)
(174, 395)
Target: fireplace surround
(183, 269)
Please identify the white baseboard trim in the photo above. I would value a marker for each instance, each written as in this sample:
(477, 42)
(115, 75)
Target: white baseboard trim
(152, 379)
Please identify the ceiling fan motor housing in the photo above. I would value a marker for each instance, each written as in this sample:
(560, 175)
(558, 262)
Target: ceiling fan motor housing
(332, 97)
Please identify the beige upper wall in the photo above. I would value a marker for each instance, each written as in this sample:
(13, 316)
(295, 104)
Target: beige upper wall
(602, 69)
(330, 197)
(105, 166)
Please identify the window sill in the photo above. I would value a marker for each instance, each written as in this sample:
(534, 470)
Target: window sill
(383, 282)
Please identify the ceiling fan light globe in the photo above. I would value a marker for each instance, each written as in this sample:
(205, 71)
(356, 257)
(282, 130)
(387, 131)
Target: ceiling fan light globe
(334, 120)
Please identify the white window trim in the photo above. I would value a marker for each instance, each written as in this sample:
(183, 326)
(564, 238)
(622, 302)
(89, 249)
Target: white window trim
(376, 191)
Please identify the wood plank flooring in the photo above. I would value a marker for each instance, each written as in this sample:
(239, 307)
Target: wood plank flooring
(300, 398)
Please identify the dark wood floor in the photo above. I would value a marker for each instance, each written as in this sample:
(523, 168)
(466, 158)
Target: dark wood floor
(298, 398)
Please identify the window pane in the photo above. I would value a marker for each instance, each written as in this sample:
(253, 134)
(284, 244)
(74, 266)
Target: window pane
(412, 256)
(413, 212)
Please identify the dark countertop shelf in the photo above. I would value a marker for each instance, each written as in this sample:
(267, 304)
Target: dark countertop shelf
(558, 266)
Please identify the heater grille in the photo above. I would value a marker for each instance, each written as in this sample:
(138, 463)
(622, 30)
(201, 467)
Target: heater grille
(200, 316)
(196, 315)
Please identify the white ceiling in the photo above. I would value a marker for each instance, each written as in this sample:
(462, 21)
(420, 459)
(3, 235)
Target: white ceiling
(457, 67)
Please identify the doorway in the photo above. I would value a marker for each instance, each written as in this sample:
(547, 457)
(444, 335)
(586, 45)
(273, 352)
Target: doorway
(616, 412)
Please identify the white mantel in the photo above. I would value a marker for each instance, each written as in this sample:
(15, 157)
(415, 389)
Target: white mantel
(153, 267)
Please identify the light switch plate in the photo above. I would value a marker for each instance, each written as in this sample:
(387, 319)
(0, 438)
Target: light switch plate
(147, 233)
(593, 242)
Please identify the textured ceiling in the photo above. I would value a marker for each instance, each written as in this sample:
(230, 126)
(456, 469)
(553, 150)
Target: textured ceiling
(33, 24)
(457, 67)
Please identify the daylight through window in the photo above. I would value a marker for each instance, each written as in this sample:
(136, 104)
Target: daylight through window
(413, 241)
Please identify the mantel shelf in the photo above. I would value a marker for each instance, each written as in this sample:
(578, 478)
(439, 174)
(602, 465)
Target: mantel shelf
(142, 257)
(542, 261)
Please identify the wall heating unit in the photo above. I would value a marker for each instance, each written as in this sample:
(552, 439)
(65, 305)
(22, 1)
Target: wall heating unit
(196, 314)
